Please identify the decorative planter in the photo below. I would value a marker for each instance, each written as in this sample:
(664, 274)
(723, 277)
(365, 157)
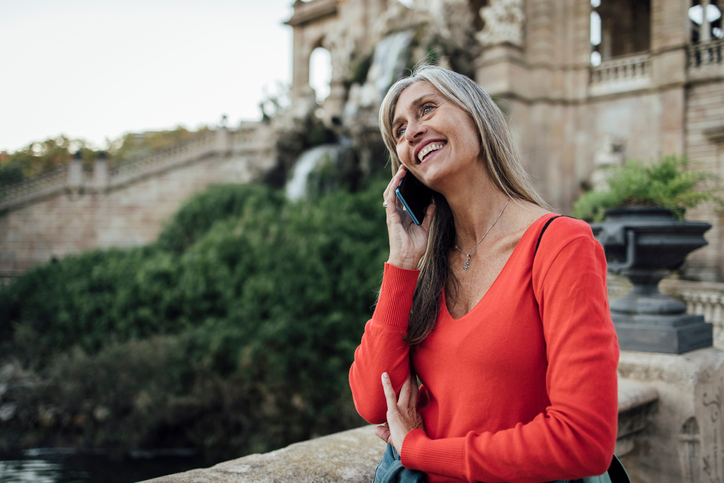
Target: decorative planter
(645, 244)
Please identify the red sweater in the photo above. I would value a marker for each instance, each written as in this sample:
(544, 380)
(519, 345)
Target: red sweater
(523, 388)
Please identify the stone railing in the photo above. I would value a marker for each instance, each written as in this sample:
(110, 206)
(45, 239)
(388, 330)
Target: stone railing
(75, 179)
(702, 298)
(351, 456)
(198, 146)
(618, 75)
(44, 185)
(705, 60)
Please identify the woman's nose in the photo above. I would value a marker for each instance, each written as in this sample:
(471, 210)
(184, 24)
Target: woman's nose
(414, 130)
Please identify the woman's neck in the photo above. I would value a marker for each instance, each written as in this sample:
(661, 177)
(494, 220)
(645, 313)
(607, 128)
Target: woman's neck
(476, 203)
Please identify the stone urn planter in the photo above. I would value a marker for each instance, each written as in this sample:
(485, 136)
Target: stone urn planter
(645, 244)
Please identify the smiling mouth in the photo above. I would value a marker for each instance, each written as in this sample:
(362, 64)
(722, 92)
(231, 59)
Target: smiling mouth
(430, 148)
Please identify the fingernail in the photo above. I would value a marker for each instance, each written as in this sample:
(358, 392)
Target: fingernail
(384, 375)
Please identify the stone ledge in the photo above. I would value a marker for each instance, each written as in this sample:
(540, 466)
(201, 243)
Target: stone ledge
(351, 456)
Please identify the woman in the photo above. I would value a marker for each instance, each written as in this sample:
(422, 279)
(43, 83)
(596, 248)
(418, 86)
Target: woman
(508, 331)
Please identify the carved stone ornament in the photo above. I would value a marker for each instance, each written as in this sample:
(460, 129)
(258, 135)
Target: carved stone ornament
(398, 18)
(341, 47)
(504, 21)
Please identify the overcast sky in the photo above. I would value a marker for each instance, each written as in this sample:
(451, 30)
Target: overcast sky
(95, 69)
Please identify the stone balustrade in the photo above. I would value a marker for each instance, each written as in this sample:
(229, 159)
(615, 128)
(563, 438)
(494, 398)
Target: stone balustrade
(704, 60)
(74, 180)
(351, 456)
(701, 298)
(621, 75)
(47, 184)
(198, 146)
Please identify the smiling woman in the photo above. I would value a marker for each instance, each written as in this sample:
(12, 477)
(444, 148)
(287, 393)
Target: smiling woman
(508, 331)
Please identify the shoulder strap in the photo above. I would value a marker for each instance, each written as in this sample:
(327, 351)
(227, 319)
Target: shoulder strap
(543, 231)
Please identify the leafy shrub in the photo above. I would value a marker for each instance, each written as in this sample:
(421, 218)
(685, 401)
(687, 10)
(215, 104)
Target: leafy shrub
(234, 333)
(88, 300)
(668, 183)
(217, 203)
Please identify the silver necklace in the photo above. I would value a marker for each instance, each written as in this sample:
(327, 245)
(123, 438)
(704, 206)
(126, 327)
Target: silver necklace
(466, 265)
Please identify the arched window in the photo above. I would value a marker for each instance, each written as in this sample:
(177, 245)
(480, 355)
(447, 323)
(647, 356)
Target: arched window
(320, 72)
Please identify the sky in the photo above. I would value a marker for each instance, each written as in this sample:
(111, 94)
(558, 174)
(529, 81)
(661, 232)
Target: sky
(96, 69)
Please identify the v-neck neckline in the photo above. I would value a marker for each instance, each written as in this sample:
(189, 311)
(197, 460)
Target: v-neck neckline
(530, 231)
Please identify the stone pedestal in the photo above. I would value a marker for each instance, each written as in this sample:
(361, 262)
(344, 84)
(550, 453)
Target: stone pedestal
(683, 441)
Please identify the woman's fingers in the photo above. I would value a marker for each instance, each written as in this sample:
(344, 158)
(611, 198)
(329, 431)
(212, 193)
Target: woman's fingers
(390, 395)
(404, 400)
(389, 193)
(427, 221)
(407, 397)
(414, 390)
(383, 432)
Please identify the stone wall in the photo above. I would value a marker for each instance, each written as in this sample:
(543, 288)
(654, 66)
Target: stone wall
(129, 209)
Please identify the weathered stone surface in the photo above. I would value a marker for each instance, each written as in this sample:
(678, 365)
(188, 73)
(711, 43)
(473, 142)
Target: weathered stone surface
(350, 456)
(683, 438)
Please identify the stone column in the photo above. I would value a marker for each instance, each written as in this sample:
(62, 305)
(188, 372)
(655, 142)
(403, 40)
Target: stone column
(500, 68)
(669, 37)
(74, 184)
(101, 177)
(223, 141)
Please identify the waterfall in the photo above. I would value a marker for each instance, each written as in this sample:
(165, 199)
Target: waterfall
(296, 187)
(388, 62)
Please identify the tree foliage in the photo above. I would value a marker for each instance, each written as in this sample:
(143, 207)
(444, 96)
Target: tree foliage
(40, 157)
(233, 333)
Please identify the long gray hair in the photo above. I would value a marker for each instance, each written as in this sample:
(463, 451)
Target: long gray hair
(501, 161)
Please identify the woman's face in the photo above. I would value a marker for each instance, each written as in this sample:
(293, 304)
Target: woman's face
(435, 138)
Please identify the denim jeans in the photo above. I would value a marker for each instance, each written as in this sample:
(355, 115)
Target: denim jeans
(390, 470)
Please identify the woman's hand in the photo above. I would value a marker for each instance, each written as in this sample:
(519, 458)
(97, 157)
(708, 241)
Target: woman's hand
(402, 415)
(408, 241)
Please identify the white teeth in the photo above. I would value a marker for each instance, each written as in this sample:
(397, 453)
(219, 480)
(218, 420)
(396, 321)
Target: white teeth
(428, 149)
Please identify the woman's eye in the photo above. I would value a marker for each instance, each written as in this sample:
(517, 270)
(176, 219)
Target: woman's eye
(426, 109)
(399, 132)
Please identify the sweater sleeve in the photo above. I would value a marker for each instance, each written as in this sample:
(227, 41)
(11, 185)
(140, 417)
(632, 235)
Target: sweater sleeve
(382, 348)
(575, 435)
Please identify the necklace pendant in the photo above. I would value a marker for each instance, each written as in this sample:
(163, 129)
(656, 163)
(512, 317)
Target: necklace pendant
(466, 265)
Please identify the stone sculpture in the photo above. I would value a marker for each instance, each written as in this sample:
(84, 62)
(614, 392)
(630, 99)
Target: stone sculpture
(504, 21)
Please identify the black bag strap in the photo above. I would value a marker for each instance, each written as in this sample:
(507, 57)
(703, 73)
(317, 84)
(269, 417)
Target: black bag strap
(617, 472)
(543, 231)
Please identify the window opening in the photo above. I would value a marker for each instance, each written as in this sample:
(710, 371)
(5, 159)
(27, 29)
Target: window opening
(619, 28)
(320, 72)
(705, 27)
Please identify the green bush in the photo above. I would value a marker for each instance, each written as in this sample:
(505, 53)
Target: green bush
(217, 203)
(667, 183)
(234, 333)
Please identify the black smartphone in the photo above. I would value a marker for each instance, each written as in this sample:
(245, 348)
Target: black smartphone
(414, 196)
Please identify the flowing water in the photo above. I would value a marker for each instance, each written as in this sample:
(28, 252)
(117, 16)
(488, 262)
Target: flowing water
(297, 186)
(67, 466)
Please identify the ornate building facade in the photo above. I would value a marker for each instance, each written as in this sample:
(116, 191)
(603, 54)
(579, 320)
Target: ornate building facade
(585, 83)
